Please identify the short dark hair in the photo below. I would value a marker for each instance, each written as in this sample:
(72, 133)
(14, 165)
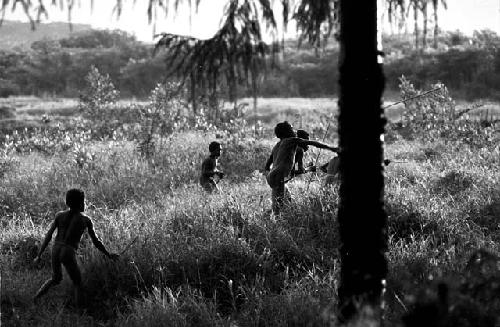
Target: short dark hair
(284, 130)
(75, 199)
(302, 134)
(214, 146)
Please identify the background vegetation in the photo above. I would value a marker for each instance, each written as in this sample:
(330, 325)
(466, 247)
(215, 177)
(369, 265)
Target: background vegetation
(188, 259)
(469, 66)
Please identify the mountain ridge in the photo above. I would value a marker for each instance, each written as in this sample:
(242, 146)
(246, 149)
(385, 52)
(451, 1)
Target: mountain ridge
(19, 34)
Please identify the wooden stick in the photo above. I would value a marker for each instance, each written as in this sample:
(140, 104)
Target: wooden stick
(129, 245)
(414, 97)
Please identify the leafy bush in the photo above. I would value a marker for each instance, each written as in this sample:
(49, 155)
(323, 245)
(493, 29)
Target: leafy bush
(7, 112)
(46, 140)
(99, 94)
(433, 115)
(96, 103)
(8, 88)
(165, 114)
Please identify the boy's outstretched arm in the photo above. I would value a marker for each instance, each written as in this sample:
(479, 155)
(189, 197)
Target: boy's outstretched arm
(319, 145)
(47, 239)
(97, 242)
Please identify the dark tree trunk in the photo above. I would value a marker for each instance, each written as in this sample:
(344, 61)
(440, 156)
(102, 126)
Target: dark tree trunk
(214, 98)
(415, 18)
(283, 45)
(361, 215)
(426, 20)
(436, 25)
(402, 16)
(254, 76)
(194, 103)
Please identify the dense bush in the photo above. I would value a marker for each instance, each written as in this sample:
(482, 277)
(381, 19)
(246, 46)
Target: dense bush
(469, 66)
(56, 67)
(433, 115)
(470, 71)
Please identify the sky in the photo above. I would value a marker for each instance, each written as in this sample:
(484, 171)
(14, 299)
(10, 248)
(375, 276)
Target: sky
(465, 15)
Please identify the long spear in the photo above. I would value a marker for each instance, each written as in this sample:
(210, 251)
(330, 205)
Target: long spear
(413, 97)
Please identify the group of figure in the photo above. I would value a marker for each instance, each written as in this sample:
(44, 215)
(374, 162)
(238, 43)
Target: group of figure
(284, 163)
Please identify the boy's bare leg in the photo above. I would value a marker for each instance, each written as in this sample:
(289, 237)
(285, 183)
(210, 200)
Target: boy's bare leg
(56, 274)
(287, 197)
(278, 197)
(45, 288)
(79, 299)
(274, 199)
(71, 265)
(209, 186)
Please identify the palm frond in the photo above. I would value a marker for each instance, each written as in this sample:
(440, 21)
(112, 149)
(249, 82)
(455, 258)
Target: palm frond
(312, 15)
(234, 54)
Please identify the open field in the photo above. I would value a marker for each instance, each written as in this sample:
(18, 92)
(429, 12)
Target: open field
(269, 110)
(222, 260)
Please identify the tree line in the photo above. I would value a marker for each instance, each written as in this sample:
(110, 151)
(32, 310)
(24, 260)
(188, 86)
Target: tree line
(58, 67)
(469, 65)
(398, 13)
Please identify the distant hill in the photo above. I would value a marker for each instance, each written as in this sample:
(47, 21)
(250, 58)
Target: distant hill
(15, 33)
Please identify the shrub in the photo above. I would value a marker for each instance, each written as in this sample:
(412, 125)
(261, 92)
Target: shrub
(99, 94)
(96, 101)
(433, 115)
(46, 140)
(165, 114)
(7, 112)
(165, 307)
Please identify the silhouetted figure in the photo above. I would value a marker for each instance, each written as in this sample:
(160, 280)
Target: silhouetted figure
(282, 160)
(70, 225)
(299, 156)
(209, 168)
(331, 168)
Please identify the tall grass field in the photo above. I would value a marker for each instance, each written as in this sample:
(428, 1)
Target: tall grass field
(188, 258)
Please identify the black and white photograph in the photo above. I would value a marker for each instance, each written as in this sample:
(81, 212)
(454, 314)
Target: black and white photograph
(250, 163)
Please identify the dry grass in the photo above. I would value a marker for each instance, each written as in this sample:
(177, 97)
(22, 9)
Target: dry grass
(223, 260)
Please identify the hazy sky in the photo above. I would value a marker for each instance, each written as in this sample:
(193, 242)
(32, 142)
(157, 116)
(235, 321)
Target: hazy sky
(466, 15)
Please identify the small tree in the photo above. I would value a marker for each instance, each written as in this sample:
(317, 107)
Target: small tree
(161, 117)
(99, 95)
(96, 101)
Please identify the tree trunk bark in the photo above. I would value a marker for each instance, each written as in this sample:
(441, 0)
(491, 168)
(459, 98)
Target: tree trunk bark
(214, 99)
(283, 45)
(426, 20)
(254, 95)
(436, 25)
(361, 216)
(415, 18)
(194, 103)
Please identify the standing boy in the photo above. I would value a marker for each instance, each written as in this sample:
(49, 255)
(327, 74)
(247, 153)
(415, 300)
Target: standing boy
(282, 160)
(70, 225)
(299, 155)
(209, 168)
